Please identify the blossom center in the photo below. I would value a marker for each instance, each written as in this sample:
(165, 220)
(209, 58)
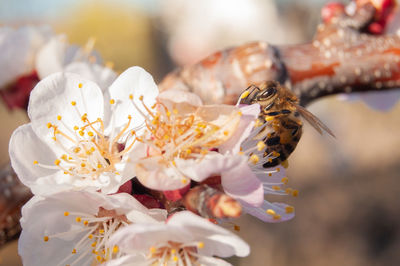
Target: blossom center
(175, 253)
(94, 232)
(92, 151)
(171, 134)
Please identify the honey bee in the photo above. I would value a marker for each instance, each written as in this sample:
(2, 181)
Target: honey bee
(281, 110)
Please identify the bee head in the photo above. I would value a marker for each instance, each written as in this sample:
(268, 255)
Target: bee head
(263, 94)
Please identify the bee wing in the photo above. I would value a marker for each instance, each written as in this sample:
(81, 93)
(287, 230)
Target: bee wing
(313, 120)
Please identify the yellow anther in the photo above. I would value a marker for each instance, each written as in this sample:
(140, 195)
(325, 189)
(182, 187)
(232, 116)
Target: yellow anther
(276, 188)
(270, 160)
(254, 159)
(99, 166)
(94, 244)
(285, 180)
(59, 117)
(117, 173)
(168, 113)
(35, 162)
(115, 249)
(236, 227)
(81, 133)
(175, 111)
(131, 96)
(166, 137)
(200, 245)
(85, 222)
(83, 165)
(269, 118)
(203, 152)
(92, 149)
(90, 133)
(64, 157)
(101, 231)
(73, 251)
(277, 216)
(77, 149)
(240, 113)
(184, 180)
(98, 258)
(73, 103)
(270, 212)
(261, 145)
(45, 238)
(244, 94)
(80, 85)
(112, 101)
(57, 162)
(54, 138)
(226, 133)
(129, 117)
(295, 193)
(288, 191)
(78, 219)
(275, 154)
(188, 151)
(278, 169)
(153, 250)
(289, 209)
(88, 152)
(269, 174)
(241, 153)
(173, 251)
(285, 164)
(258, 123)
(90, 236)
(141, 97)
(66, 213)
(76, 127)
(49, 125)
(175, 258)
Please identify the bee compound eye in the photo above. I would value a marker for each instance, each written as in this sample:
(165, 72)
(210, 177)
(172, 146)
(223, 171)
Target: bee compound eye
(267, 93)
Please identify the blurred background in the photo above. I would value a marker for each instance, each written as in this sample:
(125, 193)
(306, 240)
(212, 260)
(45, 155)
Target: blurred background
(348, 209)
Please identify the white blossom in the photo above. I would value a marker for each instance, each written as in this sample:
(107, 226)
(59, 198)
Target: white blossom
(185, 239)
(74, 140)
(74, 228)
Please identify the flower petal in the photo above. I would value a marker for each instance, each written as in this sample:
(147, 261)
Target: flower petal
(159, 177)
(50, 58)
(211, 261)
(18, 49)
(137, 82)
(246, 124)
(218, 241)
(182, 101)
(129, 260)
(241, 183)
(52, 97)
(25, 149)
(211, 164)
(101, 75)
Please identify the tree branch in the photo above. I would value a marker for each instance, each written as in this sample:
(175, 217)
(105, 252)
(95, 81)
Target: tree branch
(343, 57)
